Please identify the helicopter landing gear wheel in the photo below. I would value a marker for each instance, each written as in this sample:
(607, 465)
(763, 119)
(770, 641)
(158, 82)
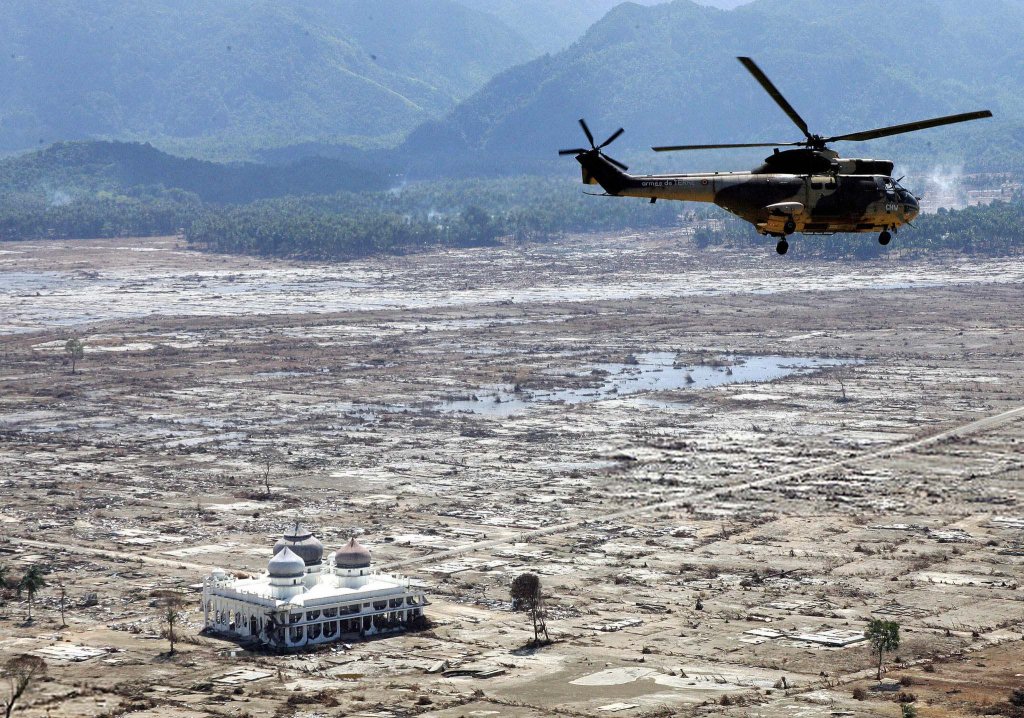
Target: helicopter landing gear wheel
(782, 247)
(884, 237)
(789, 227)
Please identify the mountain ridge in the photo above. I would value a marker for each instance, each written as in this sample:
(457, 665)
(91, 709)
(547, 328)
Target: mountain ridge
(240, 75)
(667, 74)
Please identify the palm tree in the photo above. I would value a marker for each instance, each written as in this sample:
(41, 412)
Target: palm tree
(172, 612)
(31, 582)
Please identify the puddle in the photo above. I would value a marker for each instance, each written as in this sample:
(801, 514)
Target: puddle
(654, 371)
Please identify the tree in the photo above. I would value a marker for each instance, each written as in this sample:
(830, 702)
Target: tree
(20, 672)
(527, 595)
(75, 350)
(4, 585)
(884, 636)
(63, 604)
(841, 378)
(268, 457)
(172, 612)
(30, 583)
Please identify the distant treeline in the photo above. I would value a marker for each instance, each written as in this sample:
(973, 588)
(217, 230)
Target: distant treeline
(338, 226)
(995, 230)
(460, 214)
(463, 213)
(102, 216)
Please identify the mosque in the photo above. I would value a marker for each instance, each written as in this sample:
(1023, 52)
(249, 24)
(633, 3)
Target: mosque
(303, 601)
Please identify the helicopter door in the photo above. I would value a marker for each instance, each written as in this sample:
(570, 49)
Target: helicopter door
(821, 195)
(822, 184)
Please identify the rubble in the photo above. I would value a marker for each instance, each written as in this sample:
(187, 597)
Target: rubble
(728, 537)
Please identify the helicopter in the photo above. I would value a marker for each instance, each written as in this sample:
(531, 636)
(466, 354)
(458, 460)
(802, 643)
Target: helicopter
(811, 190)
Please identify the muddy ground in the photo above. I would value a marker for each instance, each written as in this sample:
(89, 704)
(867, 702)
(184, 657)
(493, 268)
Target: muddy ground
(795, 447)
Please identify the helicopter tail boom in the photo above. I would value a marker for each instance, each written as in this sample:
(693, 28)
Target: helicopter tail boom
(598, 170)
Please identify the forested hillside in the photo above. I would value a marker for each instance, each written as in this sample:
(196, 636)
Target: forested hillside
(230, 77)
(78, 170)
(668, 74)
(551, 25)
(287, 81)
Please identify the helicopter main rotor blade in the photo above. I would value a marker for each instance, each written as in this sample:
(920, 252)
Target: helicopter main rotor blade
(615, 162)
(587, 132)
(772, 90)
(910, 127)
(677, 148)
(577, 151)
(615, 136)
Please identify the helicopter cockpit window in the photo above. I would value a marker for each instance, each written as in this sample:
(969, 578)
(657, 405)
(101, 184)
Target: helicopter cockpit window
(902, 192)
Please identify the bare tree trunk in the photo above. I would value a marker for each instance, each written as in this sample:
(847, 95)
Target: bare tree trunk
(533, 613)
(880, 652)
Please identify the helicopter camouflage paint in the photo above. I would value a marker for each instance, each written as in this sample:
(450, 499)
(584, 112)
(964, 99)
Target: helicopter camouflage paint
(811, 190)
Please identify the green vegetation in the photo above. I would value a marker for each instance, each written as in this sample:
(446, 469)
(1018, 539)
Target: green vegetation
(31, 581)
(102, 216)
(884, 636)
(226, 77)
(551, 25)
(462, 213)
(67, 170)
(75, 350)
(309, 210)
(528, 595)
(172, 609)
(459, 214)
(667, 74)
(240, 79)
(995, 230)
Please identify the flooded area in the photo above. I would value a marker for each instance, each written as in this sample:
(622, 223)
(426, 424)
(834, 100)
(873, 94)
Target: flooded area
(649, 372)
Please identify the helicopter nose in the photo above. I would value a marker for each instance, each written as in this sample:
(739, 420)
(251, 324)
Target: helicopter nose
(911, 208)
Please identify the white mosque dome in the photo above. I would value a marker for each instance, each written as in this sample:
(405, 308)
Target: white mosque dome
(303, 543)
(352, 555)
(286, 564)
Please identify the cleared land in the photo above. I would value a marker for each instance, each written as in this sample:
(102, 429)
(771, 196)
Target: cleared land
(798, 447)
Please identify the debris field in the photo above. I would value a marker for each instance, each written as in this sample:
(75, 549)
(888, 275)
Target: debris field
(721, 464)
